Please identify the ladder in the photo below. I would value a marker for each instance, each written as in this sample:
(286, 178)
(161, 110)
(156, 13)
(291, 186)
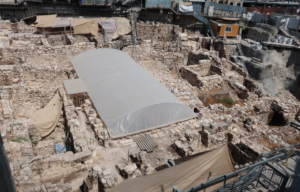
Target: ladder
(14, 27)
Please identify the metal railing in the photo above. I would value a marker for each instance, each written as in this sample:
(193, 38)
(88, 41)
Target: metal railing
(224, 178)
(263, 174)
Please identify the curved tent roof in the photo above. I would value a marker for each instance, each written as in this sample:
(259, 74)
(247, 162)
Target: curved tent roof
(128, 99)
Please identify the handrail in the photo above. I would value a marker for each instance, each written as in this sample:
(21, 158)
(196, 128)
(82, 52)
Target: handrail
(227, 176)
(278, 150)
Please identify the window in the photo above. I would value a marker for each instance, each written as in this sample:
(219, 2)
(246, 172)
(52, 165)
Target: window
(228, 29)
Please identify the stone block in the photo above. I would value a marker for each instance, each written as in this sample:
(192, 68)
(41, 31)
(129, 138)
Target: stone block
(230, 137)
(205, 138)
(48, 185)
(222, 126)
(107, 172)
(205, 126)
(37, 188)
(82, 156)
(30, 189)
(214, 128)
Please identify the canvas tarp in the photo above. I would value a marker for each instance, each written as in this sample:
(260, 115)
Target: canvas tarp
(123, 27)
(185, 9)
(185, 3)
(45, 120)
(185, 175)
(109, 27)
(63, 23)
(84, 26)
(45, 20)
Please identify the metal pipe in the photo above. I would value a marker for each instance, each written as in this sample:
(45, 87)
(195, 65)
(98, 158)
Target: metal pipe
(230, 175)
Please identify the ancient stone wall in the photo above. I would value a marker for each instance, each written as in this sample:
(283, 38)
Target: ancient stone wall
(156, 31)
(190, 75)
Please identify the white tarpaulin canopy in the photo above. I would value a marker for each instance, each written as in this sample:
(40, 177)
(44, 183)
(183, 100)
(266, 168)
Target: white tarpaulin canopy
(63, 23)
(127, 98)
(186, 8)
(110, 27)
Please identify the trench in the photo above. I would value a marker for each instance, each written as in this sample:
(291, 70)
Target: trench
(69, 143)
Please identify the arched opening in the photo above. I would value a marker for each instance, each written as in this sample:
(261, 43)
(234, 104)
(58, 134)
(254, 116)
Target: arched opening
(278, 119)
(231, 3)
(220, 2)
(196, 110)
(238, 4)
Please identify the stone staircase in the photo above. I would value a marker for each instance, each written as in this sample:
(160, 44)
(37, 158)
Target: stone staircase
(70, 39)
(286, 33)
(240, 49)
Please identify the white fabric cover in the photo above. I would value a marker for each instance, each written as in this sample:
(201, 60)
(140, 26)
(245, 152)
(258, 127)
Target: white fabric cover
(127, 98)
(184, 9)
(63, 23)
(109, 27)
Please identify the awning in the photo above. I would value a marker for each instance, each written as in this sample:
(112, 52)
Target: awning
(63, 23)
(45, 20)
(45, 120)
(186, 9)
(75, 86)
(84, 26)
(123, 27)
(109, 27)
(185, 175)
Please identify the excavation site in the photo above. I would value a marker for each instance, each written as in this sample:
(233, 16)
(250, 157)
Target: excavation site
(149, 96)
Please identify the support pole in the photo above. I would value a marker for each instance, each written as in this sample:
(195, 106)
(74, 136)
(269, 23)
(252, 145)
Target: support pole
(286, 162)
(175, 189)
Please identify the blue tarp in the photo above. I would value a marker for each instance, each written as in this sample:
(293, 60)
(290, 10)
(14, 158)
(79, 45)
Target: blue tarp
(60, 148)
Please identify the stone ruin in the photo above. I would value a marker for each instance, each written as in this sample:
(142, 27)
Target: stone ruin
(32, 68)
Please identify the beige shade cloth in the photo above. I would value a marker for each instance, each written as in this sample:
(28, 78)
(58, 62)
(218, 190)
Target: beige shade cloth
(45, 120)
(45, 20)
(185, 3)
(84, 26)
(185, 175)
(123, 27)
